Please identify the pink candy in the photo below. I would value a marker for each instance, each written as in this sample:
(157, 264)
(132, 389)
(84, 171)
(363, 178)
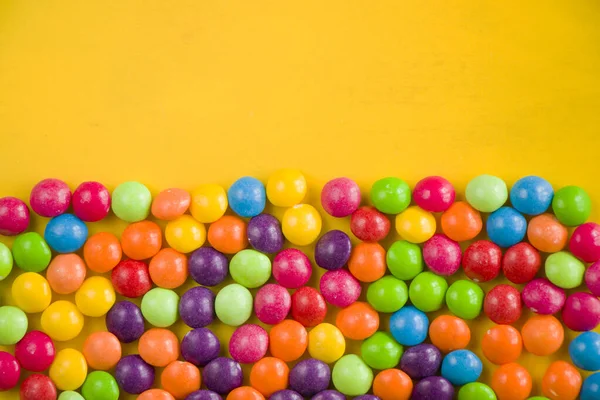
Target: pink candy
(50, 197)
(434, 194)
(272, 304)
(340, 288)
(442, 255)
(91, 201)
(543, 297)
(340, 197)
(35, 352)
(11, 371)
(14, 216)
(248, 344)
(291, 268)
(581, 312)
(592, 278)
(585, 242)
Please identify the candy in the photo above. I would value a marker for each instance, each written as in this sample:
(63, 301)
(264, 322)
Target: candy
(308, 306)
(326, 343)
(250, 268)
(10, 371)
(561, 381)
(585, 242)
(434, 194)
(366, 397)
(247, 197)
(197, 395)
(62, 321)
(286, 187)
(409, 326)
(584, 351)
(65, 233)
(185, 234)
(486, 193)
(141, 240)
(200, 346)
(170, 204)
(222, 375)
(367, 262)
(340, 197)
(390, 195)
(388, 294)
(476, 391)
(464, 299)
(571, 205)
(332, 250)
(35, 352)
(134, 375)
(70, 395)
(168, 269)
(542, 297)
(329, 395)
(511, 382)
(38, 387)
(502, 304)
(102, 252)
(502, 344)
(442, 255)
(245, 393)
(461, 367)
(591, 387)
(288, 340)
(100, 385)
(158, 347)
(404, 260)
(581, 312)
(415, 225)
(69, 369)
(6, 261)
(482, 260)
(31, 252)
(248, 344)
(264, 233)
(131, 278)
(521, 263)
(233, 305)
(339, 288)
(531, 195)
(381, 351)
(125, 321)
(228, 234)
(369, 225)
(291, 268)
(461, 222)
(301, 224)
(351, 375)
(208, 266)
(358, 321)
(272, 304)
(392, 384)
(542, 335)
(449, 333)
(506, 227)
(159, 307)
(591, 277)
(209, 203)
(427, 291)
(159, 394)
(433, 387)
(14, 216)
(310, 377)
(31, 292)
(421, 361)
(131, 201)
(50, 197)
(13, 325)
(91, 201)
(102, 350)
(95, 296)
(286, 395)
(197, 307)
(66, 273)
(546, 234)
(180, 378)
(269, 375)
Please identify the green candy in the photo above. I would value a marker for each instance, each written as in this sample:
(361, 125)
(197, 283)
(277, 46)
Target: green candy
(233, 305)
(160, 307)
(427, 291)
(486, 193)
(538, 398)
(476, 391)
(564, 270)
(131, 201)
(250, 268)
(351, 376)
(381, 351)
(464, 299)
(31, 252)
(100, 385)
(387, 294)
(13, 325)
(390, 195)
(404, 260)
(6, 261)
(70, 395)
(572, 205)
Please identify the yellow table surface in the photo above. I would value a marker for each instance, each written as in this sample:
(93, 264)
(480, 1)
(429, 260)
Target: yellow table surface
(178, 93)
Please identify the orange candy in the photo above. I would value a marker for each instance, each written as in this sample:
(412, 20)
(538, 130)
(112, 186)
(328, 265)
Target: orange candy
(449, 333)
(155, 394)
(511, 382)
(561, 381)
(158, 347)
(102, 350)
(170, 204)
(367, 262)
(269, 375)
(245, 393)
(66, 273)
(288, 340)
(542, 335)
(180, 378)
(102, 252)
(461, 222)
(228, 234)
(168, 269)
(358, 321)
(392, 384)
(141, 240)
(546, 234)
(502, 344)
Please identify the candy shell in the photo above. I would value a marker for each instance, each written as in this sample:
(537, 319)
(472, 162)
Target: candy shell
(449, 333)
(415, 225)
(585, 242)
(197, 307)
(592, 278)
(434, 194)
(427, 291)
(369, 225)
(100, 385)
(502, 305)
(65, 233)
(581, 312)
(248, 344)
(200, 346)
(584, 351)
(245, 393)
(125, 321)
(62, 321)
(561, 381)
(511, 382)
(502, 344)
(269, 375)
(6, 261)
(390, 195)
(591, 387)
(308, 306)
(486, 193)
(66, 273)
(250, 268)
(14, 216)
(442, 255)
(207, 266)
(461, 222)
(546, 234)
(10, 371)
(482, 261)
(367, 262)
(286, 187)
(31, 292)
(543, 297)
(506, 227)
(130, 278)
(50, 197)
(521, 263)
(185, 234)
(159, 394)
(102, 252)
(477, 391)
(332, 250)
(222, 375)
(134, 375)
(329, 395)
(160, 307)
(571, 205)
(339, 288)
(68, 370)
(421, 361)
(141, 240)
(340, 197)
(381, 351)
(247, 197)
(209, 203)
(404, 260)
(358, 321)
(309, 377)
(464, 299)
(13, 325)
(351, 376)
(301, 224)
(392, 384)
(272, 304)
(35, 352)
(168, 269)
(170, 204)
(264, 233)
(30, 252)
(228, 234)
(95, 297)
(91, 201)
(197, 395)
(433, 387)
(409, 326)
(292, 268)
(288, 340)
(38, 387)
(531, 195)
(461, 367)
(180, 378)
(286, 395)
(158, 347)
(233, 305)
(326, 343)
(131, 201)
(388, 294)
(102, 350)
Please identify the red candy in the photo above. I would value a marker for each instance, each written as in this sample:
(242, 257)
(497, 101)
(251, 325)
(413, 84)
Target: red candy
(308, 306)
(248, 344)
(585, 242)
(131, 278)
(272, 304)
(14, 216)
(50, 197)
(434, 194)
(521, 263)
(340, 288)
(369, 225)
(38, 387)
(581, 312)
(91, 201)
(442, 255)
(35, 352)
(291, 268)
(502, 304)
(482, 260)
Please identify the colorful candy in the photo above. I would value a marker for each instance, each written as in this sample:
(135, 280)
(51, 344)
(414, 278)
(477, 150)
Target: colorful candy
(233, 304)
(14, 216)
(248, 344)
(369, 225)
(390, 195)
(421, 361)
(433, 387)
(502, 304)
(141, 240)
(170, 204)
(100, 385)
(13, 325)
(427, 291)
(272, 304)
(168, 269)
(245, 393)
(434, 194)
(367, 262)
(228, 234)
(591, 387)
(30, 252)
(442, 255)
(531, 195)
(102, 350)
(160, 306)
(286, 187)
(339, 288)
(62, 321)
(409, 326)
(31, 292)
(125, 321)
(247, 197)
(329, 395)
(591, 277)
(159, 394)
(546, 234)
(308, 306)
(415, 225)
(564, 270)
(332, 250)
(38, 387)
(269, 375)
(197, 307)
(392, 384)
(65, 233)
(208, 266)
(340, 197)
(131, 201)
(288, 340)
(200, 346)
(95, 296)
(134, 375)
(180, 378)
(208, 203)
(486, 193)
(10, 371)
(464, 299)
(158, 347)
(250, 268)
(301, 224)
(584, 351)
(381, 351)
(585, 242)
(461, 222)
(561, 381)
(185, 234)
(6, 261)
(291, 268)
(404, 260)
(476, 391)
(264, 233)
(50, 197)
(222, 375)
(511, 382)
(91, 201)
(506, 227)
(449, 333)
(521, 263)
(131, 278)
(581, 312)
(102, 252)
(35, 352)
(326, 343)
(482, 261)
(309, 377)
(502, 344)
(351, 376)
(68, 370)
(66, 273)
(543, 297)
(461, 367)
(571, 205)
(387, 294)
(286, 395)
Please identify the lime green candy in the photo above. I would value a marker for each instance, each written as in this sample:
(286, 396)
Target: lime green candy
(381, 351)
(70, 395)
(564, 270)
(13, 325)
(390, 195)
(250, 268)
(233, 305)
(31, 252)
(131, 201)
(100, 385)
(464, 299)
(6, 261)
(351, 376)
(427, 291)
(404, 260)
(486, 193)
(160, 307)
(387, 294)
(572, 205)
(537, 398)
(476, 391)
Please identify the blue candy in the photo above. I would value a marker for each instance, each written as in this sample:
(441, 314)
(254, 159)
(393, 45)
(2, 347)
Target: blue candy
(531, 195)
(585, 351)
(247, 197)
(409, 326)
(506, 227)
(66, 233)
(461, 367)
(591, 387)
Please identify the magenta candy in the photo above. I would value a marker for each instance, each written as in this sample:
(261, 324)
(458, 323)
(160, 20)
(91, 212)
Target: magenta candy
(581, 312)
(14, 216)
(50, 197)
(272, 304)
(442, 255)
(585, 242)
(10, 371)
(248, 344)
(592, 278)
(35, 352)
(339, 288)
(434, 194)
(340, 197)
(91, 201)
(543, 297)
(291, 268)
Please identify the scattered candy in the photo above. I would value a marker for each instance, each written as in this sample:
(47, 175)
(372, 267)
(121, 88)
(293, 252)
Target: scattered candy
(264, 233)
(511, 382)
(585, 242)
(250, 268)
(506, 227)
(95, 297)
(102, 252)
(482, 261)
(233, 304)
(392, 384)
(14, 216)
(388, 294)
(310, 377)
(170, 204)
(434, 194)
(449, 333)
(102, 350)
(332, 250)
(531, 195)
(208, 203)
(464, 299)
(39, 387)
(561, 381)
(301, 224)
(158, 347)
(222, 375)
(543, 335)
(68, 370)
(291, 268)
(6, 261)
(591, 387)
(369, 225)
(308, 306)
(584, 351)
(461, 222)
(288, 340)
(404, 260)
(286, 187)
(141, 240)
(91, 201)
(339, 288)
(200, 346)
(131, 278)
(185, 234)
(125, 321)
(134, 375)
(50, 197)
(159, 394)
(433, 387)
(62, 321)
(272, 304)
(269, 375)
(10, 371)
(13, 325)
(427, 291)
(197, 307)
(247, 197)
(131, 201)
(100, 385)
(461, 367)
(208, 266)
(367, 262)
(409, 326)
(381, 351)
(521, 263)
(421, 361)
(486, 193)
(591, 277)
(245, 393)
(168, 269)
(70, 395)
(180, 378)
(160, 306)
(502, 304)
(502, 344)
(326, 343)
(581, 312)
(286, 395)
(543, 297)
(390, 195)
(340, 197)
(415, 225)
(571, 205)
(35, 352)
(66, 273)
(228, 234)
(351, 375)
(477, 391)
(65, 233)
(248, 344)
(31, 292)
(31, 252)
(546, 234)
(442, 255)
(329, 395)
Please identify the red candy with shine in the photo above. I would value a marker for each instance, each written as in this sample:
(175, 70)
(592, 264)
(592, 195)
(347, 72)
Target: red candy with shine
(369, 225)
(434, 194)
(38, 387)
(35, 352)
(521, 263)
(503, 305)
(585, 242)
(482, 260)
(308, 306)
(131, 278)
(91, 201)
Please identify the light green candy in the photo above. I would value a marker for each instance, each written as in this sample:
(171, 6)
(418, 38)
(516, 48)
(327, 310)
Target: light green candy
(404, 260)
(388, 294)
(160, 307)
(427, 291)
(250, 268)
(486, 193)
(6, 261)
(31, 252)
(351, 376)
(538, 398)
(233, 305)
(464, 299)
(100, 385)
(13, 325)
(564, 270)
(476, 391)
(70, 395)
(381, 351)
(131, 201)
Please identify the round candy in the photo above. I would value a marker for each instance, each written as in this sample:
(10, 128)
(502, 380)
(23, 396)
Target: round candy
(185, 234)
(31, 292)
(272, 304)
(571, 205)
(288, 340)
(131, 201)
(482, 260)
(381, 351)
(442, 255)
(591, 387)
(584, 351)
(200, 346)
(250, 268)
(461, 222)
(427, 291)
(415, 225)
(476, 391)
(390, 195)
(168, 269)
(310, 377)
(585, 242)
(286, 187)
(222, 375)
(264, 233)
(125, 321)
(209, 203)
(38, 387)
(340, 197)
(245, 393)
(367, 262)
(286, 395)
(332, 250)
(546, 234)
(65, 233)
(248, 344)
(351, 375)
(6, 261)
(561, 381)
(91, 201)
(50, 197)
(486, 193)
(358, 321)
(30, 252)
(102, 252)
(35, 352)
(433, 387)
(543, 297)
(511, 382)
(404, 260)
(449, 333)
(339, 288)
(158, 347)
(70, 395)
(159, 394)
(531, 195)
(326, 343)
(159, 307)
(434, 194)
(247, 197)
(461, 367)
(506, 227)
(228, 234)
(69, 369)
(308, 306)
(369, 225)
(134, 375)
(170, 204)
(141, 240)
(233, 305)
(581, 312)
(14, 216)
(269, 375)
(502, 305)
(388, 294)
(502, 344)
(13, 325)
(392, 384)
(180, 378)
(197, 307)
(10, 371)
(521, 263)
(591, 277)
(409, 326)
(421, 361)
(95, 296)
(66, 273)
(62, 321)
(208, 266)
(102, 350)
(329, 395)
(100, 385)
(301, 224)
(130, 278)
(291, 268)
(464, 299)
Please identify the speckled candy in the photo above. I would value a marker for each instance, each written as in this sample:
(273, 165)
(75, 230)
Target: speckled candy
(207, 266)
(272, 304)
(222, 375)
(50, 197)
(502, 304)
(291, 268)
(134, 375)
(581, 312)
(592, 278)
(125, 321)
(442, 255)
(421, 361)
(248, 344)
(200, 346)
(543, 297)
(264, 233)
(585, 242)
(340, 288)
(14, 216)
(91, 201)
(340, 197)
(369, 225)
(197, 307)
(332, 250)
(329, 395)
(310, 377)
(367, 397)
(433, 388)
(434, 194)
(286, 394)
(203, 395)
(308, 306)
(482, 261)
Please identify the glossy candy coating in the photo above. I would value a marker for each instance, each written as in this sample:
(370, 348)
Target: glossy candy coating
(38, 387)
(585, 242)
(208, 203)
(50, 197)
(68, 370)
(185, 234)
(571, 205)
(591, 387)
(168, 269)
(546, 234)
(35, 351)
(30, 252)
(332, 250)
(388, 294)
(392, 384)
(308, 306)
(13, 325)
(200, 346)
(248, 344)
(340, 197)
(521, 263)
(592, 278)
(286, 187)
(442, 255)
(381, 351)
(369, 225)
(134, 375)
(351, 376)
(434, 194)
(14, 216)
(272, 304)
(476, 391)
(486, 193)
(160, 307)
(100, 385)
(158, 347)
(309, 377)
(415, 225)
(180, 378)
(464, 299)
(461, 367)
(433, 387)
(326, 343)
(367, 262)
(404, 260)
(65, 233)
(131, 278)
(291, 268)
(250, 268)
(584, 351)
(102, 350)
(482, 261)
(62, 321)
(233, 304)
(264, 233)
(390, 195)
(66, 273)
(131, 201)
(461, 222)
(6, 261)
(199, 395)
(228, 234)
(125, 321)
(288, 340)
(409, 326)
(531, 195)
(170, 204)
(561, 381)
(329, 395)
(358, 321)
(427, 291)
(197, 307)
(222, 375)
(502, 304)
(10, 371)
(91, 201)
(247, 197)
(102, 252)
(502, 344)
(581, 312)
(421, 361)
(95, 297)
(506, 227)
(301, 224)
(449, 333)
(245, 393)
(543, 297)
(70, 395)
(339, 288)
(159, 394)
(286, 395)
(269, 375)
(31, 292)
(208, 266)
(511, 382)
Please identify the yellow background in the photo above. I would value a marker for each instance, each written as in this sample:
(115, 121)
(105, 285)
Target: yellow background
(178, 93)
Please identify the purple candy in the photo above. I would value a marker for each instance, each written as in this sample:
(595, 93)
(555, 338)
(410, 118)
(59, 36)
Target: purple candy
(200, 346)
(125, 321)
(592, 278)
(286, 395)
(14, 216)
(207, 266)
(332, 251)
(197, 307)
(421, 361)
(222, 375)
(329, 395)
(50, 197)
(310, 377)
(264, 233)
(367, 397)
(134, 375)
(203, 395)
(433, 388)
(543, 297)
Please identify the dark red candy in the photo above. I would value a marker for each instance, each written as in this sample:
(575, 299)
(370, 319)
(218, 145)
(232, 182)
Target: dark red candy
(369, 225)
(503, 305)
(308, 306)
(131, 278)
(482, 261)
(521, 263)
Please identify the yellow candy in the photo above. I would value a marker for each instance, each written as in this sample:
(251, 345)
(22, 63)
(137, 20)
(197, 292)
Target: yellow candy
(68, 370)
(301, 224)
(31, 292)
(326, 343)
(62, 321)
(415, 225)
(95, 296)
(209, 203)
(185, 234)
(286, 187)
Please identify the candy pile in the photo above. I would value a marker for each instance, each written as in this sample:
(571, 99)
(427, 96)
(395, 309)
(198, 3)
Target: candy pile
(380, 280)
